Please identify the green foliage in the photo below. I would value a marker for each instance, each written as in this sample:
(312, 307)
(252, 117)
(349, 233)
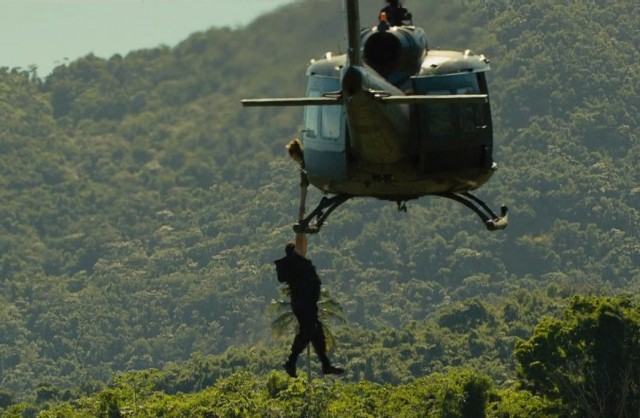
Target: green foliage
(588, 359)
(456, 392)
(464, 317)
(6, 399)
(513, 403)
(141, 208)
(459, 393)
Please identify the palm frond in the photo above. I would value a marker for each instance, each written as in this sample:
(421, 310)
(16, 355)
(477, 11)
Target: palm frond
(328, 310)
(283, 323)
(279, 306)
(329, 338)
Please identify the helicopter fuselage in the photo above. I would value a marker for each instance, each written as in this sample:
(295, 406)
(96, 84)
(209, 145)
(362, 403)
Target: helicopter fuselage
(368, 147)
(394, 120)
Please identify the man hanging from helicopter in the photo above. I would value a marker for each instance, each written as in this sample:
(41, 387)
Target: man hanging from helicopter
(396, 14)
(299, 273)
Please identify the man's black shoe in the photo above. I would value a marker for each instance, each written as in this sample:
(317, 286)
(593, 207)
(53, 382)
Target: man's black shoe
(290, 368)
(332, 370)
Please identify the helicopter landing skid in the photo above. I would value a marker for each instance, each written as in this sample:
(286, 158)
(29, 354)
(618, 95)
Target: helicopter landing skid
(492, 221)
(320, 213)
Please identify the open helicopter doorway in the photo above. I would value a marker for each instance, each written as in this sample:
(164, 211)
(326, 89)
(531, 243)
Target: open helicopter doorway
(453, 137)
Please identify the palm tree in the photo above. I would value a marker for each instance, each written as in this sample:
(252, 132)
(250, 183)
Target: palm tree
(328, 310)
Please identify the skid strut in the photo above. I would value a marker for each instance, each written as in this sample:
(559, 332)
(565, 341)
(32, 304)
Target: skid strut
(319, 214)
(490, 219)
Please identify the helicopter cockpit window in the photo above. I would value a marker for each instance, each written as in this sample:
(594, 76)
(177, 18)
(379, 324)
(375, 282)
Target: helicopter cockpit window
(331, 121)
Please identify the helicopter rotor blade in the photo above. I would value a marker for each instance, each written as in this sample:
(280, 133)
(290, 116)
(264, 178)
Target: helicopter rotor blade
(420, 99)
(293, 101)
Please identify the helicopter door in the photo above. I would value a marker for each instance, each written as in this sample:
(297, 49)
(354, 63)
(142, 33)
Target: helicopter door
(324, 134)
(453, 136)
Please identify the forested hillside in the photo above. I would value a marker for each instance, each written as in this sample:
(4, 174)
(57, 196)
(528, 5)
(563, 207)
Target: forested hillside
(141, 207)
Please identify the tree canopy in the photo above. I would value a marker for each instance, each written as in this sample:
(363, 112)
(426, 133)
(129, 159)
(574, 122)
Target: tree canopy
(141, 208)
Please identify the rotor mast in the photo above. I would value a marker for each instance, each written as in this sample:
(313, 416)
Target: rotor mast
(352, 22)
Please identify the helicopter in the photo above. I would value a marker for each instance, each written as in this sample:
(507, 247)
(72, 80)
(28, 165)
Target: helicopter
(394, 120)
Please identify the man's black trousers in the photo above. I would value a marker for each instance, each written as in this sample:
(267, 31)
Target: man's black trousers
(310, 332)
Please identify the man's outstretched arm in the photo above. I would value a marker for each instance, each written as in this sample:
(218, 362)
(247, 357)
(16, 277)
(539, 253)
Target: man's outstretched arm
(301, 238)
(301, 244)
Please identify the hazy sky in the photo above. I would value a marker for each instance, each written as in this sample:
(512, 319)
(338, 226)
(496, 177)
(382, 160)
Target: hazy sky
(46, 32)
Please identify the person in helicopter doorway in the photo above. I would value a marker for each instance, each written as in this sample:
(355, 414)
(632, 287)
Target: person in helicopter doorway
(396, 14)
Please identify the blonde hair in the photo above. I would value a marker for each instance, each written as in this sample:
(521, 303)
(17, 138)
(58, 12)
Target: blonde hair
(294, 148)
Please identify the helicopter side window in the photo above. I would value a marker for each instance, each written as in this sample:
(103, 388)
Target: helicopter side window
(331, 121)
(312, 116)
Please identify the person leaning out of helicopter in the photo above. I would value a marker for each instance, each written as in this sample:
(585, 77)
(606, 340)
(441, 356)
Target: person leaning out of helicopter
(294, 148)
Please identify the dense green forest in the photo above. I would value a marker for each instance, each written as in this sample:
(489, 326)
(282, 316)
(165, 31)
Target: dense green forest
(141, 209)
